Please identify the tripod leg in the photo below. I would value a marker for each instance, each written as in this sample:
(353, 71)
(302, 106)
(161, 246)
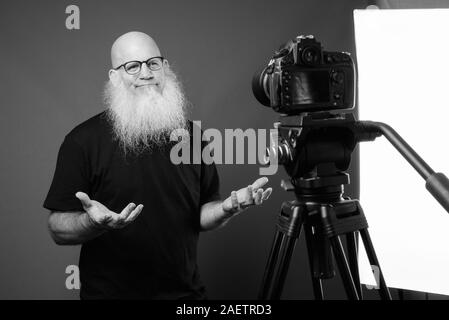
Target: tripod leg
(342, 263)
(384, 292)
(288, 230)
(352, 244)
(286, 254)
(316, 282)
(271, 264)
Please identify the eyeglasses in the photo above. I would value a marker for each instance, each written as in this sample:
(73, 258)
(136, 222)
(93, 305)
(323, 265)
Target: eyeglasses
(134, 67)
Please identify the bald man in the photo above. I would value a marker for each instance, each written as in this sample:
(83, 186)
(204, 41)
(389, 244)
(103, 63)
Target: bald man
(116, 192)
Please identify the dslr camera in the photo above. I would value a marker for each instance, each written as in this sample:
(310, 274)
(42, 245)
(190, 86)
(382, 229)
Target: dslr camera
(301, 78)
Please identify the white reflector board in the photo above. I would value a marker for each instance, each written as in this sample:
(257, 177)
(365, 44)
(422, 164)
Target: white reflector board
(403, 65)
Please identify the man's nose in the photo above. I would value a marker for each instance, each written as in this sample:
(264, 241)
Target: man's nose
(145, 72)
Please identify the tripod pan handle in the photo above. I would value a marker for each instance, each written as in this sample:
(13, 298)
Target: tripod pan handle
(438, 186)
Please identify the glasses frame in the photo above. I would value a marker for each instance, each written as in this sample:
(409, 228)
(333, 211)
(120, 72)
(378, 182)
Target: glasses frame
(140, 64)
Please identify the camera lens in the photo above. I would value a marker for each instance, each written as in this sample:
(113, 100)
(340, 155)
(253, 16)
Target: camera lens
(261, 88)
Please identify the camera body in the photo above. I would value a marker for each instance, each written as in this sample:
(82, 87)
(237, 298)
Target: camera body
(301, 77)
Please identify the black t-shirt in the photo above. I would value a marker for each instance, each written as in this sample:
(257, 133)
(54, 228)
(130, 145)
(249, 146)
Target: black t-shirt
(155, 255)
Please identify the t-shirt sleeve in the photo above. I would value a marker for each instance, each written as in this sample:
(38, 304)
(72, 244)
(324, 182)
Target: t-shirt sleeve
(210, 182)
(71, 176)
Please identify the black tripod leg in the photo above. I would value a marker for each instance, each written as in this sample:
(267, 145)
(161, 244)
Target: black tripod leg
(271, 264)
(384, 292)
(352, 245)
(316, 282)
(343, 267)
(285, 257)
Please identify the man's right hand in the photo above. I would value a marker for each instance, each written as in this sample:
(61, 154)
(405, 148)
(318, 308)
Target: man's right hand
(102, 217)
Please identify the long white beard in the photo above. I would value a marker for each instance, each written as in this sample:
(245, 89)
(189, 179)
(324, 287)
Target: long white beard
(144, 117)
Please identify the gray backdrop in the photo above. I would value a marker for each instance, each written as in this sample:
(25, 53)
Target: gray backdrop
(52, 78)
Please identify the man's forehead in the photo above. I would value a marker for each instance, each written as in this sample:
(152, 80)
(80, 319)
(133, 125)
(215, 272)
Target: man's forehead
(133, 46)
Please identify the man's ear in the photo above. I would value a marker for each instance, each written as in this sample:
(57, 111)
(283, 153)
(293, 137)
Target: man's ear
(114, 77)
(166, 64)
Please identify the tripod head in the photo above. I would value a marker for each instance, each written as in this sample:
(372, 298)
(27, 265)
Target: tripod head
(316, 150)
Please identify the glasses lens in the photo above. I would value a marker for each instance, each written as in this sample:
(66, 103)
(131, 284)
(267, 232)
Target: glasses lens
(154, 64)
(132, 67)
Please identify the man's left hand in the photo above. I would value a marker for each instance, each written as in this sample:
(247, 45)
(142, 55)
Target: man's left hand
(252, 195)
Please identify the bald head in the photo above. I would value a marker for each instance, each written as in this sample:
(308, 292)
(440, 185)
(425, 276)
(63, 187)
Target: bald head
(131, 46)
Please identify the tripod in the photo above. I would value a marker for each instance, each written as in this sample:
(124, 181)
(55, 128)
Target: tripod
(325, 216)
(315, 150)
